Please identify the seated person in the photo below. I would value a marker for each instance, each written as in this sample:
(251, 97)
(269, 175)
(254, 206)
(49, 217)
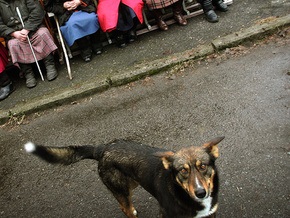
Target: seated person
(207, 6)
(78, 21)
(157, 5)
(120, 17)
(6, 87)
(16, 37)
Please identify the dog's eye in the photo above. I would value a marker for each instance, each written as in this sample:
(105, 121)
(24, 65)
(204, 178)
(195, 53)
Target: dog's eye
(203, 167)
(184, 171)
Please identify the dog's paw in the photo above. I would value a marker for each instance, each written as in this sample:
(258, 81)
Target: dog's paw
(135, 212)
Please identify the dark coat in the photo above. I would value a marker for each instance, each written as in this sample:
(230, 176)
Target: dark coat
(31, 12)
(63, 15)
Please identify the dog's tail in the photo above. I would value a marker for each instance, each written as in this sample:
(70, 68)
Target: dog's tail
(64, 155)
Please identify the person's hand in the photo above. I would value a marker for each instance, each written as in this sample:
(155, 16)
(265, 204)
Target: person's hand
(20, 35)
(71, 5)
(24, 32)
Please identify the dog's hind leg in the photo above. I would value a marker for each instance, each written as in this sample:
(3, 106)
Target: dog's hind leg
(121, 187)
(126, 205)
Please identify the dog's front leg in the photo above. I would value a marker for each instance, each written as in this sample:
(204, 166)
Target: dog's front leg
(162, 213)
(211, 216)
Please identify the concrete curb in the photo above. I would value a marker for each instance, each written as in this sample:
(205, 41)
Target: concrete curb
(140, 71)
(252, 33)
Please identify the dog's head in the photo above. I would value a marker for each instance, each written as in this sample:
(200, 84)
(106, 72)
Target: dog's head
(194, 168)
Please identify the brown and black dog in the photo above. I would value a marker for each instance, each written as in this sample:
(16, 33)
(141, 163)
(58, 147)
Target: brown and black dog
(185, 183)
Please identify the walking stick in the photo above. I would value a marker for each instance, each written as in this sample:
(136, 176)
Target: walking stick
(63, 48)
(19, 15)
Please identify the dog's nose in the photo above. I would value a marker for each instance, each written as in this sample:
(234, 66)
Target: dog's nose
(200, 193)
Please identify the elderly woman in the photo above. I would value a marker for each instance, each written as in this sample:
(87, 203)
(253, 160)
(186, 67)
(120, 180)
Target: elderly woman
(157, 5)
(120, 17)
(16, 36)
(78, 22)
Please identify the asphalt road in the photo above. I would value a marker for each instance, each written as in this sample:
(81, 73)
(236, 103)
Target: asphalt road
(242, 93)
(148, 47)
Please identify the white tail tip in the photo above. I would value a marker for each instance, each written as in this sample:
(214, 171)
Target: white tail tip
(29, 147)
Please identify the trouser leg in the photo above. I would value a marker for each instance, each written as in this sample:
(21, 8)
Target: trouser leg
(208, 10)
(120, 40)
(177, 13)
(4, 79)
(220, 5)
(96, 42)
(158, 17)
(85, 47)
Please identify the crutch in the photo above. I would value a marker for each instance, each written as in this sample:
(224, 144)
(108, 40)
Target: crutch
(19, 15)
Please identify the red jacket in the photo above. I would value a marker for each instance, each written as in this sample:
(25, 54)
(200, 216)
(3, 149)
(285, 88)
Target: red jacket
(3, 58)
(107, 11)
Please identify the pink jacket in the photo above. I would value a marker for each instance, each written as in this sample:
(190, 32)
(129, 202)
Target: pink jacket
(107, 11)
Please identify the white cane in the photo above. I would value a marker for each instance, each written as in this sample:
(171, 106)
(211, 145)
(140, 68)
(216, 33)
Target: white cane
(19, 15)
(63, 48)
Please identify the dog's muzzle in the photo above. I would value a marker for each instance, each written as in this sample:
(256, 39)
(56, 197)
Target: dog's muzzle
(200, 193)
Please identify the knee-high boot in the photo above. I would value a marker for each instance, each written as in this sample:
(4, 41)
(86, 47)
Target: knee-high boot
(51, 72)
(158, 17)
(177, 13)
(207, 7)
(29, 75)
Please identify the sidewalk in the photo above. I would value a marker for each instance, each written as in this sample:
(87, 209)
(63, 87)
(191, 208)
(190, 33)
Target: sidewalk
(149, 54)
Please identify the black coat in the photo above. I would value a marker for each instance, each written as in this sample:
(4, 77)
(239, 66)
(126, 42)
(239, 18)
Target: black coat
(31, 12)
(56, 7)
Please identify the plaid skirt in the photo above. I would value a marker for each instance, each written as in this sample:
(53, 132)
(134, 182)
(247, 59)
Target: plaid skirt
(158, 4)
(42, 44)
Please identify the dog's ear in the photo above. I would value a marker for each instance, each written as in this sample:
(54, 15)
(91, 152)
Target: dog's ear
(212, 147)
(166, 157)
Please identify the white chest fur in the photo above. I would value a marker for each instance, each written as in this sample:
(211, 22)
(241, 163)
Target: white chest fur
(208, 209)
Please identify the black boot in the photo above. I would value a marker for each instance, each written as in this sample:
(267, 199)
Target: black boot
(158, 17)
(211, 16)
(5, 91)
(220, 5)
(28, 74)
(207, 7)
(120, 39)
(4, 79)
(51, 72)
(177, 13)
(130, 36)
(6, 86)
(85, 47)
